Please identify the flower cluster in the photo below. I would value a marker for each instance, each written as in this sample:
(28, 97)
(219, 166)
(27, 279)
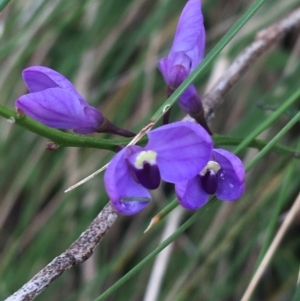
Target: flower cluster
(180, 153)
(174, 153)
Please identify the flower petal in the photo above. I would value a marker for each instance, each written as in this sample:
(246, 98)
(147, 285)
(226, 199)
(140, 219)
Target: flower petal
(183, 149)
(190, 101)
(179, 69)
(231, 184)
(92, 121)
(127, 196)
(58, 108)
(163, 68)
(39, 78)
(190, 33)
(190, 194)
(180, 58)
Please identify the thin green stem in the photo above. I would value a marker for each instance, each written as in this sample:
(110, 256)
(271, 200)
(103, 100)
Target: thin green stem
(3, 4)
(162, 214)
(264, 125)
(273, 141)
(296, 296)
(71, 140)
(166, 210)
(254, 143)
(59, 137)
(157, 250)
(274, 219)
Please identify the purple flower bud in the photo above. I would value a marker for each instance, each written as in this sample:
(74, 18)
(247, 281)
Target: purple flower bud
(190, 102)
(54, 101)
(224, 176)
(174, 153)
(186, 54)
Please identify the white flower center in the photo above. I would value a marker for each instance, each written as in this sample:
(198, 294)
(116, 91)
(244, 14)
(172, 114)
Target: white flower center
(148, 156)
(212, 165)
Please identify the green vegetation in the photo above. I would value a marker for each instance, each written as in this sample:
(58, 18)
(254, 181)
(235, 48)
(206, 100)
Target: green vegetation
(109, 50)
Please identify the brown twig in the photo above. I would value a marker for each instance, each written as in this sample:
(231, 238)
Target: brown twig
(85, 245)
(263, 41)
(78, 252)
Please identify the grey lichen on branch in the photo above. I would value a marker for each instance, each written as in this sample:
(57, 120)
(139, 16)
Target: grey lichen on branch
(78, 252)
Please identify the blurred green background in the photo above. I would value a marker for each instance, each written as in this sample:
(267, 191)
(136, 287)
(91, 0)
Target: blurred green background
(109, 50)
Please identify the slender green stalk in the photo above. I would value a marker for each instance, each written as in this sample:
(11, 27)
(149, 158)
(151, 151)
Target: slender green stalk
(63, 139)
(274, 219)
(166, 210)
(255, 143)
(264, 125)
(273, 141)
(162, 214)
(3, 4)
(157, 250)
(297, 293)
(59, 137)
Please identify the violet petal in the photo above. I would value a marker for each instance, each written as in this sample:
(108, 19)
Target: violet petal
(178, 70)
(190, 101)
(180, 58)
(58, 108)
(190, 194)
(183, 149)
(231, 184)
(127, 196)
(190, 33)
(92, 121)
(39, 78)
(163, 68)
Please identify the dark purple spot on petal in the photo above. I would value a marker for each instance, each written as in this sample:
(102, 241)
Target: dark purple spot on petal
(209, 182)
(148, 176)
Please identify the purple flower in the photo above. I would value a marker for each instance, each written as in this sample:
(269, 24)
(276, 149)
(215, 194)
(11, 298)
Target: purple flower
(224, 176)
(54, 102)
(174, 153)
(186, 54)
